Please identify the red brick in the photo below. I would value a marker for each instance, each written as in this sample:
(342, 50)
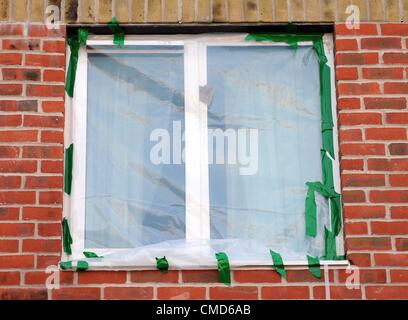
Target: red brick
(181, 293)
(385, 103)
(41, 245)
(359, 259)
(401, 244)
(17, 262)
(34, 90)
(51, 197)
(43, 152)
(399, 276)
(21, 44)
(357, 58)
(11, 58)
(9, 278)
(12, 74)
(395, 58)
(301, 276)
(234, 293)
(387, 292)
(287, 293)
(393, 196)
(365, 276)
(49, 229)
(362, 149)
(369, 243)
(77, 294)
(397, 118)
(365, 29)
(52, 136)
(23, 294)
(48, 166)
(46, 261)
(337, 293)
(53, 106)
(54, 75)
(396, 88)
(17, 197)
(127, 293)
(44, 182)
(363, 180)
(388, 164)
(42, 60)
(386, 133)
(383, 73)
(346, 44)
(24, 166)
(8, 246)
(101, 277)
(381, 43)
(16, 229)
(154, 276)
(200, 276)
(398, 149)
(389, 227)
(397, 29)
(19, 136)
(9, 152)
(20, 105)
(42, 213)
(399, 212)
(54, 46)
(11, 29)
(43, 121)
(346, 73)
(40, 277)
(10, 182)
(364, 212)
(348, 103)
(9, 213)
(350, 135)
(352, 164)
(352, 119)
(356, 228)
(353, 196)
(256, 276)
(391, 259)
(399, 180)
(11, 89)
(355, 89)
(43, 31)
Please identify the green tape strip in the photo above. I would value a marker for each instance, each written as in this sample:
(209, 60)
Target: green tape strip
(289, 38)
(66, 237)
(119, 34)
(89, 254)
(162, 264)
(224, 270)
(69, 155)
(327, 170)
(65, 265)
(278, 263)
(82, 265)
(310, 212)
(74, 43)
(314, 266)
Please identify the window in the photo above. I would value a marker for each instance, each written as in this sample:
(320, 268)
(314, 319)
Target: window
(189, 145)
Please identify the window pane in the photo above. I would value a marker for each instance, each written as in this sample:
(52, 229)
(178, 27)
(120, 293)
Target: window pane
(130, 199)
(275, 92)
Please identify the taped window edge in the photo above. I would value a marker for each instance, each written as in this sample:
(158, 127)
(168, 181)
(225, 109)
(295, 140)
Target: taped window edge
(74, 42)
(90, 255)
(224, 269)
(162, 264)
(69, 155)
(314, 266)
(81, 265)
(278, 263)
(118, 33)
(66, 237)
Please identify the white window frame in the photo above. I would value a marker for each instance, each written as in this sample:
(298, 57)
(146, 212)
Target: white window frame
(196, 138)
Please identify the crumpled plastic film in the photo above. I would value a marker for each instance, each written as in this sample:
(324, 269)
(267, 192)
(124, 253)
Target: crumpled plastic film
(263, 99)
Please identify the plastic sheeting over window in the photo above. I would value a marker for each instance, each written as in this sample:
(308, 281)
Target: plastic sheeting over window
(197, 146)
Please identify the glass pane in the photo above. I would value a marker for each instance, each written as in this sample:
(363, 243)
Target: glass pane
(135, 101)
(267, 103)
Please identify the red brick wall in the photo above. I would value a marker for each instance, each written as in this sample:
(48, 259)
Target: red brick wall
(372, 69)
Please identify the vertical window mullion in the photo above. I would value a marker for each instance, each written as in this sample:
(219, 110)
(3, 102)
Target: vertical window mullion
(196, 144)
